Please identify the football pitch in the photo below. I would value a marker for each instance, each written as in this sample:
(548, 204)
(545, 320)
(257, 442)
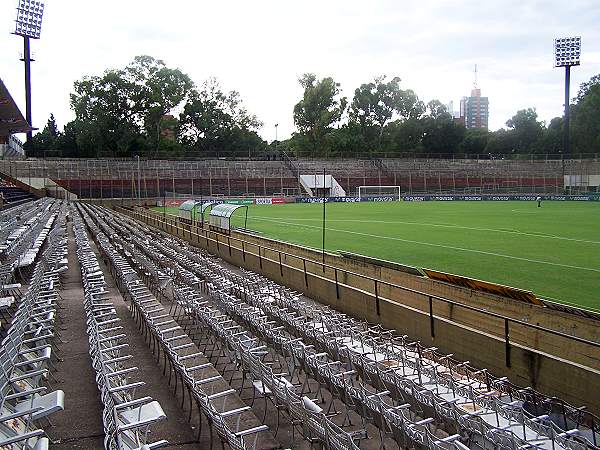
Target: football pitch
(553, 250)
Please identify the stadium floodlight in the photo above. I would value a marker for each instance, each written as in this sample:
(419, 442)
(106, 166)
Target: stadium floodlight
(567, 53)
(29, 18)
(29, 26)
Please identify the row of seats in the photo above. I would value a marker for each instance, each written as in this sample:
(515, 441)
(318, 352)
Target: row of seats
(370, 403)
(474, 400)
(306, 411)
(214, 398)
(316, 425)
(127, 416)
(375, 406)
(488, 404)
(483, 406)
(27, 349)
(21, 238)
(17, 226)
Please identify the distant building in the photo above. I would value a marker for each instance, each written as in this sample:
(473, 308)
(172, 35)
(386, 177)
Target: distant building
(474, 110)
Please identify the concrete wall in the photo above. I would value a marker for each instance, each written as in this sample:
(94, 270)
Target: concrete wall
(551, 364)
(556, 320)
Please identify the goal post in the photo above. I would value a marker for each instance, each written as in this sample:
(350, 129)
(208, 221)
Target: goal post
(374, 191)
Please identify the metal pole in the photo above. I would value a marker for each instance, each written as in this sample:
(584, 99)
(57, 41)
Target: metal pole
(139, 181)
(101, 182)
(201, 203)
(27, 61)
(566, 150)
(567, 115)
(324, 201)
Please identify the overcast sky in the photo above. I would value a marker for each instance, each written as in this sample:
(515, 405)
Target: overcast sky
(261, 47)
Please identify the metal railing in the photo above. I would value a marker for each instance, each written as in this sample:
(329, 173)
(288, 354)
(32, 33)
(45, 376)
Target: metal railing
(514, 391)
(506, 323)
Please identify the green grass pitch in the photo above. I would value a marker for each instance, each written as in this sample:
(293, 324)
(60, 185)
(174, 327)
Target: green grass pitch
(553, 250)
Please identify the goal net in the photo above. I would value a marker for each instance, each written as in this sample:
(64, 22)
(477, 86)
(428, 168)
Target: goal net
(374, 191)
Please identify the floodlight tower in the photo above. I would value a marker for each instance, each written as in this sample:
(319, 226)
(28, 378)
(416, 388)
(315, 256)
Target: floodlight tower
(566, 54)
(29, 26)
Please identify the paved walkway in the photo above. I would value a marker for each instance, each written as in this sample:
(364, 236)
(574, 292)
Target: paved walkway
(79, 426)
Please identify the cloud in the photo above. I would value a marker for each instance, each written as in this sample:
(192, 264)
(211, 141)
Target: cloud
(261, 48)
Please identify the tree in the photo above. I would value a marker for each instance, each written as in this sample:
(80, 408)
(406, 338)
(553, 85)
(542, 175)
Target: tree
(527, 130)
(404, 136)
(585, 127)
(320, 108)
(120, 111)
(44, 143)
(376, 103)
(551, 141)
(213, 121)
(501, 142)
(66, 143)
(436, 110)
(475, 141)
(104, 114)
(156, 91)
(440, 133)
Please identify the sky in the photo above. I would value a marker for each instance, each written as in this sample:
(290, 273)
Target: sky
(260, 48)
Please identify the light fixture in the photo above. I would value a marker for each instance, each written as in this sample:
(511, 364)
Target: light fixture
(567, 51)
(29, 18)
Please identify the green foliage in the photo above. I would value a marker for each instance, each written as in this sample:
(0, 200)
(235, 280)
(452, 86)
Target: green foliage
(213, 121)
(475, 141)
(526, 129)
(585, 127)
(442, 135)
(45, 143)
(376, 103)
(319, 109)
(127, 111)
(121, 111)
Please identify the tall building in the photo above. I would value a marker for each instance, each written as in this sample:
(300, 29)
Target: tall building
(475, 110)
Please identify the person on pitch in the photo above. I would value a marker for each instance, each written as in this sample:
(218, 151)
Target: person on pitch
(539, 200)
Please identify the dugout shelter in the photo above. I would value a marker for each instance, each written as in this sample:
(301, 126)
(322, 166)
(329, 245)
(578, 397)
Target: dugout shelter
(220, 217)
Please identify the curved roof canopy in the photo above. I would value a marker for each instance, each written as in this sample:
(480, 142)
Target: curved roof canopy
(225, 209)
(207, 205)
(188, 205)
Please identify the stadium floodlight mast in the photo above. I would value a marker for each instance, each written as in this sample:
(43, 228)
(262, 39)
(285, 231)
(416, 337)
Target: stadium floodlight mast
(28, 24)
(567, 52)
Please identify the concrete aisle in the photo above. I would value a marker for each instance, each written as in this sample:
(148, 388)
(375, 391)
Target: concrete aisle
(79, 426)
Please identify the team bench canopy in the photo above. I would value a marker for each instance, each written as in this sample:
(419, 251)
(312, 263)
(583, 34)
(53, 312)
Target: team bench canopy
(220, 216)
(188, 210)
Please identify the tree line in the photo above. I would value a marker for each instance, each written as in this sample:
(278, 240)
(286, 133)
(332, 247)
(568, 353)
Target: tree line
(151, 110)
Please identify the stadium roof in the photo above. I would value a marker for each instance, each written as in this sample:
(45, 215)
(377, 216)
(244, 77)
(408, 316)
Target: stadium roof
(11, 119)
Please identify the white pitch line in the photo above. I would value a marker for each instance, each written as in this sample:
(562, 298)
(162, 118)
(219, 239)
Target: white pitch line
(441, 225)
(429, 244)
